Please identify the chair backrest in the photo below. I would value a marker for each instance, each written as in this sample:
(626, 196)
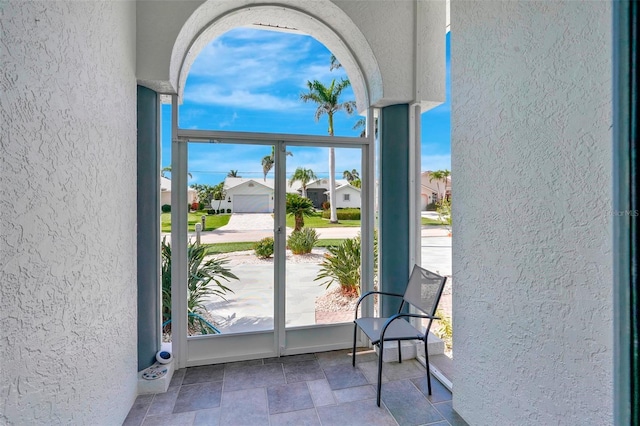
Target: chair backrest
(424, 290)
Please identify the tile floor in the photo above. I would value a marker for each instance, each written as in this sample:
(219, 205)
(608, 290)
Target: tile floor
(310, 389)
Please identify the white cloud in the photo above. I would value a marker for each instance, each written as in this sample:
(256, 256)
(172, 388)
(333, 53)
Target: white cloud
(216, 95)
(228, 122)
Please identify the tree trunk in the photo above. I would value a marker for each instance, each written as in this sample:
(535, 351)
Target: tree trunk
(299, 219)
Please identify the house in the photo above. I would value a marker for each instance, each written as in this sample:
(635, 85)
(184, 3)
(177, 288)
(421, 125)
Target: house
(318, 192)
(165, 192)
(543, 312)
(246, 195)
(347, 196)
(431, 189)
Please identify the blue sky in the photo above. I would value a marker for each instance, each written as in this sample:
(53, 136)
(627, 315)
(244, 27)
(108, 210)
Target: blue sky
(251, 80)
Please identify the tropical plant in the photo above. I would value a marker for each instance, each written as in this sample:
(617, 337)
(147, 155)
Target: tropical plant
(333, 63)
(268, 161)
(351, 176)
(233, 173)
(205, 192)
(264, 248)
(299, 207)
(361, 124)
(218, 193)
(328, 102)
(267, 164)
(356, 183)
(205, 279)
(444, 328)
(440, 176)
(302, 242)
(168, 169)
(304, 176)
(444, 212)
(342, 264)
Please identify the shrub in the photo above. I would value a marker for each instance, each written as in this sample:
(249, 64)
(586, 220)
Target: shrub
(205, 279)
(201, 206)
(229, 211)
(326, 205)
(194, 206)
(166, 208)
(264, 248)
(432, 207)
(210, 211)
(444, 212)
(444, 329)
(302, 242)
(343, 214)
(342, 264)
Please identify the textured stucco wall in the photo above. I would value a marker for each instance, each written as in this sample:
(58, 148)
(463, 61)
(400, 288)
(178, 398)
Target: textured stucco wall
(67, 212)
(532, 259)
(375, 41)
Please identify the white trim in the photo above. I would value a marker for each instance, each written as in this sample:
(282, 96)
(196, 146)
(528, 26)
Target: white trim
(179, 263)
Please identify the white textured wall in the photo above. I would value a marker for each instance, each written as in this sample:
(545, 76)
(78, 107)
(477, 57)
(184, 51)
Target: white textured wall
(532, 260)
(67, 212)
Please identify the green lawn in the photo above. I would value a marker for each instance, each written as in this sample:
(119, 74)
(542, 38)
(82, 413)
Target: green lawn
(221, 248)
(316, 221)
(429, 221)
(211, 222)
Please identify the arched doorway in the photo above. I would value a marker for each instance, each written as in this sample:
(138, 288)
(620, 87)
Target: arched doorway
(280, 337)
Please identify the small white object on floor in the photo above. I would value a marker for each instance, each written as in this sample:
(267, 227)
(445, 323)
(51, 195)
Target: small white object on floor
(154, 372)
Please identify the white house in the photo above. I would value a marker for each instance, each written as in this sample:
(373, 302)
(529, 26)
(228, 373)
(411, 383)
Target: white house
(246, 195)
(431, 189)
(165, 192)
(347, 196)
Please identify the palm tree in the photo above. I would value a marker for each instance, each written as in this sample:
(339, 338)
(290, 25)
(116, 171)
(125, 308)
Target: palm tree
(268, 161)
(299, 207)
(328, 102)
(361, 124)
(334, 64)
(351, 176)
(304, 176)
(233, 173)
(168, 169)
(267, 165)
(440, 176)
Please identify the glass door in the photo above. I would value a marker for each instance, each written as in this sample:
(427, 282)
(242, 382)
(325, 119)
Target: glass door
(267, 298)
(323, 258)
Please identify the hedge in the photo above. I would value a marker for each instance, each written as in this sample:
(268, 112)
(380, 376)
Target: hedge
(343, 214)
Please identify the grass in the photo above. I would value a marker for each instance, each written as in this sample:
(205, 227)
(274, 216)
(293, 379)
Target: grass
(221, 248)
(211, 221)
(429, 221)
(316, 221)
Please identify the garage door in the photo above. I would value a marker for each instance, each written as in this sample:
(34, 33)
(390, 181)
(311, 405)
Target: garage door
(251, 204)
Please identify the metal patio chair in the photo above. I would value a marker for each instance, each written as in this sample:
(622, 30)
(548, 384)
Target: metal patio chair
(423, 292)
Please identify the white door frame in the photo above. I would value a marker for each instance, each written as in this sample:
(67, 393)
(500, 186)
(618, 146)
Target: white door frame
(196, 350)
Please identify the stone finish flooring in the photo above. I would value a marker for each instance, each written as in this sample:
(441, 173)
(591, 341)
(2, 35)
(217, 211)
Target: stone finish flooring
(309, 389)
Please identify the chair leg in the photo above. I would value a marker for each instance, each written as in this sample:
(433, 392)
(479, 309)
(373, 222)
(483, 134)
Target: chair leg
(426, 362)
(381, 346)
(355, 334)
(399, 352)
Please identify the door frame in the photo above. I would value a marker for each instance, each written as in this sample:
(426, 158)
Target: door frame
(191, 351)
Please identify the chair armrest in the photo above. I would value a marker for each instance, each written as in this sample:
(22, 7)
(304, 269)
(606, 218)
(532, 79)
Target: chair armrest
(369, 293)
(401, 315)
